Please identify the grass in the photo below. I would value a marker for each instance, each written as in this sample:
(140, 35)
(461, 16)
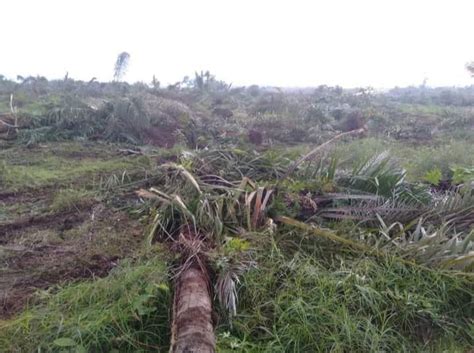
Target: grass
(70, 199)
(444, 157)
(124, 312)
(15, 210)
(312, 302)
(56, 170)
(303, 296)
(298, 299)
(22, 169)
(417, 160)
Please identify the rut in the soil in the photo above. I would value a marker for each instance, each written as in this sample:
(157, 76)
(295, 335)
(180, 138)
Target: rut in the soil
(72, 249)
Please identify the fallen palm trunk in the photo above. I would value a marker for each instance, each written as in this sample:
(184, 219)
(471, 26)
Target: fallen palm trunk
(331, 235)
(192, 329)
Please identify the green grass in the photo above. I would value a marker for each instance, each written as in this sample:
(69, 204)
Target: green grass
(128, 311)
(70, 199)
(300, 298)
(22, 169)
(444, 157)
(417, 160)
(309, 302)
(294, 301)
(18, 209)
(57, 170)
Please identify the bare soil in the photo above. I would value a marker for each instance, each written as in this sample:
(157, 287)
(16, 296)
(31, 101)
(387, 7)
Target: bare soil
(41, 248)
(40, 252)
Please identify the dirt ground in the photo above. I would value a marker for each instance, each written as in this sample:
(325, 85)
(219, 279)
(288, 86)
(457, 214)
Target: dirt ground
(39, 252)
(42, 246)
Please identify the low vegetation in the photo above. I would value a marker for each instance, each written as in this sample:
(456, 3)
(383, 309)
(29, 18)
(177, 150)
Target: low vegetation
(117, 201)
(126, 310)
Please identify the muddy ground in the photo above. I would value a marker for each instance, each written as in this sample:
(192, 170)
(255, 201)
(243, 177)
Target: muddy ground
(55, 224)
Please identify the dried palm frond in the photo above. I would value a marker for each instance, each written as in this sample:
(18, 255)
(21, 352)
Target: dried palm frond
(255, 203)
(454, 207)
(229, 269)
(226, 290)
(234, 164)
(209, 203)
(366, 208)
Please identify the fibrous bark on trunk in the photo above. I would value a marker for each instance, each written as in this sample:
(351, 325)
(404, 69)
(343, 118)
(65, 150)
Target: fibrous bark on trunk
(192, 328)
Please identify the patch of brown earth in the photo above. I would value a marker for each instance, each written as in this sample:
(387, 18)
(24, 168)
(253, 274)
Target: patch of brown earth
(161, 136)
(59, 221)
(40, 252)
(255, 137)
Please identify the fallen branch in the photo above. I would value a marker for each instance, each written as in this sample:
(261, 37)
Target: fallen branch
(8, 125)
(130, 151)
(328, 234)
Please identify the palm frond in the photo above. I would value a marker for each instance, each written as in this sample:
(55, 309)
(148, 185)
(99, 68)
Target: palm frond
(366, 208)
(439, 247)
(379, 175)
(454, 207)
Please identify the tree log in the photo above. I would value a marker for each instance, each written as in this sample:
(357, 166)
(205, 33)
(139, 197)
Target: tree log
(192, 329)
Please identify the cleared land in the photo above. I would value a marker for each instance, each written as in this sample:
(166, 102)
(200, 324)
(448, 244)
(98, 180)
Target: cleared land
(110, 193)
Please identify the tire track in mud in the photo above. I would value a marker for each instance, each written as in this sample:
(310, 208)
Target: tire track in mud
(42, 267)
(60, 221)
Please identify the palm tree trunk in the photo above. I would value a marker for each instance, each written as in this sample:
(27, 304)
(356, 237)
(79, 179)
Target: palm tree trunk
(192, 329)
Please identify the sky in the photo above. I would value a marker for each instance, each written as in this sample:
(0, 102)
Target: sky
(294, 43)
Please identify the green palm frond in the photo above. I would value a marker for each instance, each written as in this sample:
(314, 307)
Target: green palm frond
(380, 175)
(377, 187)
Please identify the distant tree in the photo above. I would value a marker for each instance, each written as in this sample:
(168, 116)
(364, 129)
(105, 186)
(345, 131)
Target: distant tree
(424, 83)
(254, 90)
(199, 80)
(205, 81)
(37, 85)
(121, 65)
(155, 83)
(470, 68)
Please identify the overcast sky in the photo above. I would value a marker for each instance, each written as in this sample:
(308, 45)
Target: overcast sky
(378, 43)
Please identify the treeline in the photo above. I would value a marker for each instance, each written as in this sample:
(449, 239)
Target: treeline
(202, 110)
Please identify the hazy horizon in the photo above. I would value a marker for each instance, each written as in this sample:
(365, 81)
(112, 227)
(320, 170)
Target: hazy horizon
(381, 44)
